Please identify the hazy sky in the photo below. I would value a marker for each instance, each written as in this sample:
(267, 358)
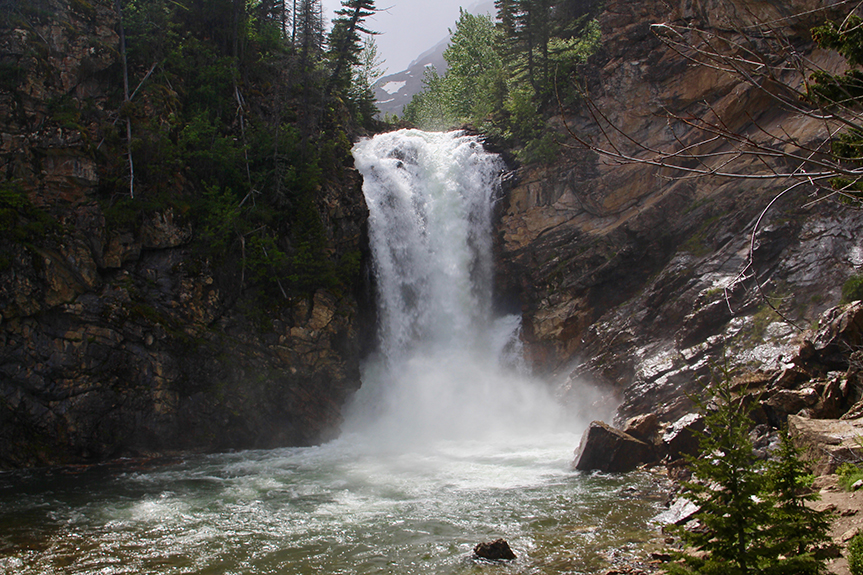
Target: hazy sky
(408, 27)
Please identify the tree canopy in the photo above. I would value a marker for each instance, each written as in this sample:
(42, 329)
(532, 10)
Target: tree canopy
(752, 517)
(237, 113)
(501, 72)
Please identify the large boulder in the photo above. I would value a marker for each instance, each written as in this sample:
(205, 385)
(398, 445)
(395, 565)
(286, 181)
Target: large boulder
(784, 402)
(604, 448)
(827, 443)
(681, 437)
(643, 427)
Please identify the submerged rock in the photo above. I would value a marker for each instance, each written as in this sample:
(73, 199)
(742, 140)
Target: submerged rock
(604, 448)
(497, 550)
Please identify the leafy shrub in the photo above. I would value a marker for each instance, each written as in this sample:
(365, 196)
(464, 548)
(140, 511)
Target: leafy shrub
(543, 149)
(855, 555)
(849, 474)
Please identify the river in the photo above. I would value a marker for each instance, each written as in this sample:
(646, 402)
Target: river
(449, 442)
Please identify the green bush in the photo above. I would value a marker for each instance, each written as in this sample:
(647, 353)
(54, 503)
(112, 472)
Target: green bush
(855, 555)
(20, 220)
(852, 289)
(849, 474)
(543, 149)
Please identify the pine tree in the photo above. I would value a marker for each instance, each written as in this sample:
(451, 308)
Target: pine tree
(310, 35)
(753, 515)
(726, 486)
(345, 42)
(796, 531)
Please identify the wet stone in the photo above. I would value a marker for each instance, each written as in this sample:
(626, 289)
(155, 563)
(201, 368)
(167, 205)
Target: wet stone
(497, 550)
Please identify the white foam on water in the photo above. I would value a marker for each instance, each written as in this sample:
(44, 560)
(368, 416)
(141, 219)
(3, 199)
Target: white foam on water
(449, 442)
(448, 367)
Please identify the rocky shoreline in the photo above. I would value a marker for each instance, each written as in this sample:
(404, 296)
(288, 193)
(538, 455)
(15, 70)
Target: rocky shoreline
(817, 394)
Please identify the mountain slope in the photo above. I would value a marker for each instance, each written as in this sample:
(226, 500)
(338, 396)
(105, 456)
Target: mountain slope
(621, 268)
(394, 91)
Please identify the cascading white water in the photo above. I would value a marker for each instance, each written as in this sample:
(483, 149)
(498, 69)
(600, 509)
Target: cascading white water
(443, 371)
(429, 197)
(448, 443)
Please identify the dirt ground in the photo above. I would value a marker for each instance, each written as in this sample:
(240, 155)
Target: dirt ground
(847, 511)
(847, 520)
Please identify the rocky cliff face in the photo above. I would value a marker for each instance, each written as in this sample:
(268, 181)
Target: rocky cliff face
(622, 268)
(121, 339)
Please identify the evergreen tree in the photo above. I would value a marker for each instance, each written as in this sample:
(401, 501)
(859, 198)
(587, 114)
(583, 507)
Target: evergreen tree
(310, 40)
(226, 114)
(506, 24)
(309, 28)
(527, 27)
(796, 531)
(726, 486)
(841, 95)
(752, 515)
(345, 42)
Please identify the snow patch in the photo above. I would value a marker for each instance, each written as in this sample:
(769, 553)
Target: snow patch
(393, 87)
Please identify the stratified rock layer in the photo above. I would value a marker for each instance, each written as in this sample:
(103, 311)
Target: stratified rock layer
(621, 269)
(827, 443)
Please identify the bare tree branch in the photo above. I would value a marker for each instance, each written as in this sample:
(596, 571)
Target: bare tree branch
(705, 143)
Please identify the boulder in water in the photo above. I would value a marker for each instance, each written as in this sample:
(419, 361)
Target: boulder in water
(604, 448)
(497, 550)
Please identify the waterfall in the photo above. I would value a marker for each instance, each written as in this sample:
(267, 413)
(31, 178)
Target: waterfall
(447, 443)
(447, 367)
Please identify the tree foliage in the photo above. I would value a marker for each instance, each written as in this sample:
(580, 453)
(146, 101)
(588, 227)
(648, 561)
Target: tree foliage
(467, 89)
(345, 42)
(501, 70)
(240, 116)
(752, 516)
(796, 530)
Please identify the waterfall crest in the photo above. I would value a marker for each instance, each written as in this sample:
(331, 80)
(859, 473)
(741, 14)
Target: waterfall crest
(447, 368)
